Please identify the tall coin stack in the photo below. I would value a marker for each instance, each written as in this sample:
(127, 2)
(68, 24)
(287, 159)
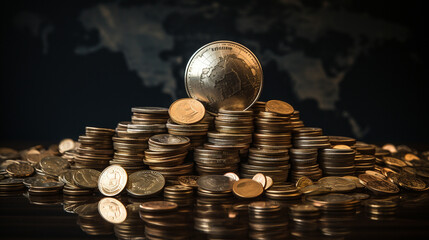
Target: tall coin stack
(195, 132)
(217, 162)
(304, 163)
(267, 220)
(295, 120)
(272, 163)
(310, 138)
(365, 157)
(337, 162)
(166, 154)
(96, 148)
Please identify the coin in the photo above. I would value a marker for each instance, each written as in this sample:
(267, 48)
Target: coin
(382, 186)
(411, 182)
(260, 178)
(20, 169)
(247, 188)
(53, 165)
(391, 161)
(145, 183)
(303, 182)
(158, 206)
(232, 176)
(215, 183)
(315, 189)
(224, 75)
(337, 184)
(186, 111)
(279, 107)
(112, 180)
(86, 178)
(66, 145)
(190, 181)
(270, 183)
(112, 210)
(168, 140)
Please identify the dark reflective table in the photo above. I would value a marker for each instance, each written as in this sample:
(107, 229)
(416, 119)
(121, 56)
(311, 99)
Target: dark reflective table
(23, 216)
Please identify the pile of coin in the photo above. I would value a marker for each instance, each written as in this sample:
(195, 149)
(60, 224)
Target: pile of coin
(304, 163)
(215, 162)
(337, 162)
(166, 154)
(364, 163)
(164, 220)
(305, 219)
(228, 121)
(309, 137)
(79, 182)
(52, 166)
(90, 220)
(229, 142)
(283, 192)
(132, 227)
(267, 220)
(380, 209)
(96, 148)
(331, 206)
(270, 162)
(295, 120)
(179, 194)
(187, 119)
(258, 107)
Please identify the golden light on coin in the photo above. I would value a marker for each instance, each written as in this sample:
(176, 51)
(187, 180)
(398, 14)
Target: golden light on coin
(279, 107)
(112, 180)
(341, 146)
(112, 210)
(247, 188)
(260, 178)
(186, 111)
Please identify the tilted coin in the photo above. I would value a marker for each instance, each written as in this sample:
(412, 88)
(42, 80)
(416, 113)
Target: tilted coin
(337, 184)
(280, 107)
(355, 180)
(20, 169)
(54, 165)
(376, 174)
(260, 178)
(390, 147)
(112, 210)
(224, 75)
(269, 183)
(341, 147)
(112, 180)
(190, 181)
(66, 145)
(394, 162)
(232, 176)
(145, 182)
(410, 157)
(86, 178)
(215, 183)
(411, 182)
(158, 206)
(303, 182)
(382, 186)
(247, 188)
(186, 111)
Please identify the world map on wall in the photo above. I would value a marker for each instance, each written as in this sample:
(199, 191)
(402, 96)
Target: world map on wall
(152, 38)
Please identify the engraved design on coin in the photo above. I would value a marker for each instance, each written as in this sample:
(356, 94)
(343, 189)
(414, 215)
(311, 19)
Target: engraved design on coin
(112, 180)
(224, 75)
(112, 210)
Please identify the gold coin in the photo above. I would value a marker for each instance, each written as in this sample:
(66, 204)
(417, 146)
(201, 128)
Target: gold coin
(20, 169)
(269, 183)
(280, 107)
(66, 145)
(410, 157)
(303, 182)
(112, 180)
(186, 111)
(190, 181)
(247, 188)
(86, 178)
(341, 146)
(112, 210)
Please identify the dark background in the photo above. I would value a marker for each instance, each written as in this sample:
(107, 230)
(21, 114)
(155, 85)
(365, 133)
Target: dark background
(70, 64)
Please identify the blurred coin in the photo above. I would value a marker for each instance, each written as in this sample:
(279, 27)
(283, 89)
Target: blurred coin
(260, 178)
(20, 169)
(232, 176)
(190, 181)
(411, 182)
(158, 206)
(303, 182)
(337, 184)
(66, 145)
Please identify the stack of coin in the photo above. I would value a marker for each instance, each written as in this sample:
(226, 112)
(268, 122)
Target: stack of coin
(378, 184)
(295, 121)
(91, 222)
(380, 209)
(270, 162)
(182, 195)
(217, 162)
(340, 140)
(364, 163)
(312, 142)
(338, 211)
(130, 142)
(364, 148)
(96, 148)
(11, 185)
(45, 188)
(132, 227)
(283, 192)
(257, 107)
(79, 182)
(164, 220)
(186, 119)
(228, 121)
(267, 220)
(304, 163)
(337, 162)
(214, 189)
(305, 219)
(166, 154)
(145, 183)
(229, 142)
(149, 115)
(52, 166)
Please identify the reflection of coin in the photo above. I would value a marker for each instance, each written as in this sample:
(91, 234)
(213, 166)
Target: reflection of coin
(247, 188)
(112, 210)
(186, 111)
(158, 206)
(337, 184)
(112, 180)
(224, 75)
(145, 182)
(279, 107)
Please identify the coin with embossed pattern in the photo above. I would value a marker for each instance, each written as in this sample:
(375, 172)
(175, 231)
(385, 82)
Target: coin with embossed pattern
(86, 178)
(112, 210)
(112, 180)
(145, 183)
(186, 111)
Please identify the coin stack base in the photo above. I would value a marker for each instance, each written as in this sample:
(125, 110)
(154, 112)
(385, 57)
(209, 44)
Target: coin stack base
(267, 219)
(305, 219)
(304, 163)
(337, 162)
(217, 162)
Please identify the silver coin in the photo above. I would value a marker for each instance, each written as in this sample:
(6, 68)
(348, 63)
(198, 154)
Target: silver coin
(224, 75)
(215, 183)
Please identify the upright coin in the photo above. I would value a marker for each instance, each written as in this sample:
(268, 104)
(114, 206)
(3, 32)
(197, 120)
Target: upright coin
(247, 188)
(303, 182)
(112, 180)
(112, 210)
(86, 178)
(279, 107)
(224, 75)
(186, 111)
(260, 178)
(145, 183)
(232, 176)
(215, 183)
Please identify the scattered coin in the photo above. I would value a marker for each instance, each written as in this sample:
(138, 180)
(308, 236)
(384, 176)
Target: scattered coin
(303, 182)
(190, 181)
(86, 178)
(337, 184)
(20, 169)
(269, 183)
(66, 145)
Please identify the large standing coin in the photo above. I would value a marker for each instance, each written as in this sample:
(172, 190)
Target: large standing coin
(112, 180)
(186, 111)
(112, 210)
(224, 75)
(145, 183)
